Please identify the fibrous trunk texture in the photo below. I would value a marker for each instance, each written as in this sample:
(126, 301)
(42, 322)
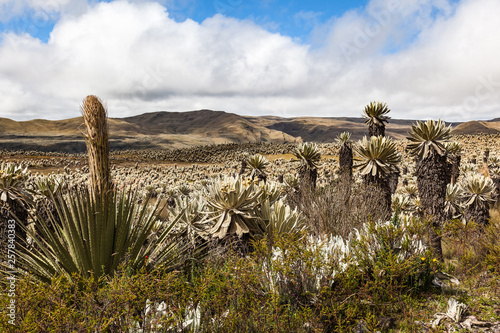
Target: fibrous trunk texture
(97, 142)
(433, 174)
(393, 180)
(345, 161)
(478, 212)
(376, 130)
(455, 167)
(496, 181)
(383, 189)
(308, 177)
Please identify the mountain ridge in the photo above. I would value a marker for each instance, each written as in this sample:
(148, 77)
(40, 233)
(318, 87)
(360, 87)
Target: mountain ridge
(174, 129)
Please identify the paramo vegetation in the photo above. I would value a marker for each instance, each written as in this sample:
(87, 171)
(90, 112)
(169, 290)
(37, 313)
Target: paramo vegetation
(376, 235)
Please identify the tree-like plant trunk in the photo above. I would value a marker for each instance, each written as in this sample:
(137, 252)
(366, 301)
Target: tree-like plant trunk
(376, 130)
(393, 180)
(455, 167)
(486, 155)
(496, 180)
(382, 188)
(308, 177)
(262, 177)
(97, 142)
(478, 212)
(433, 174)
(346, 161)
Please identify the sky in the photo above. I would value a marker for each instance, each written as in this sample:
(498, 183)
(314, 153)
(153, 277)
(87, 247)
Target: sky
(436, 59)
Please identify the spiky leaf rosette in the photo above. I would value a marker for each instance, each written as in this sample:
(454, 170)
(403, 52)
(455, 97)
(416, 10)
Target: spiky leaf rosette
(345, 154)
(343, 138)
(453, 147)
(477, 189)
(256, 164)
(428, 138)
(308, 154)
(12, 180)
(13, 200)
(379, 156)
(231, 207)
(478, 193)
(375, 114)
(402, 203)
(411, 190)
(453, 201)
(493, 162)
(291, 181)
(50, 185)
(96, 140)
(95, 236)
(279, 218)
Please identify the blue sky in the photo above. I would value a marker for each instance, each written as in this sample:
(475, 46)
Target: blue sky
(425, 58)
(293, 18)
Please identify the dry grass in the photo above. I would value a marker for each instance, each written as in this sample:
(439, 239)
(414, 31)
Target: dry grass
(339, 207)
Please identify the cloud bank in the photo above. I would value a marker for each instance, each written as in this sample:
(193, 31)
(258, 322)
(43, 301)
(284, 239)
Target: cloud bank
(426, 59)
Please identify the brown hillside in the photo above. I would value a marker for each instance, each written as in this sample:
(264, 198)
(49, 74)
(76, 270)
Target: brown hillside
(327, 129)
(475, 127)
(72, 126)
(166, 130)
(206, 123)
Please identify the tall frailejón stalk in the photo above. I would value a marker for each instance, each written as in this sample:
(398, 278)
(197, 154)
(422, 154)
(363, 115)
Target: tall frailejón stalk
(379, 158)
(345, 155)
(433, 174)
(375, 115)
(96, 140)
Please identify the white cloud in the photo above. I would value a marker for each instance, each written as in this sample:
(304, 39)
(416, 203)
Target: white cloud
(138, 59)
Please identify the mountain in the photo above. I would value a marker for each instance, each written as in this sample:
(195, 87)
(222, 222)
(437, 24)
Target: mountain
(477, 127)
(164, 130)
(214, 126)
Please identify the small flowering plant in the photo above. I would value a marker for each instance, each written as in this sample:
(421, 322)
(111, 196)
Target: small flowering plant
(425, 268)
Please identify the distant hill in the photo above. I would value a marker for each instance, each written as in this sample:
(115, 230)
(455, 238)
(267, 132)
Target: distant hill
(477, 127)
(213, 125)
(164, 130)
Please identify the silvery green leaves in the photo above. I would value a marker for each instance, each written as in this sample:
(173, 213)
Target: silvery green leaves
(453, 147)
(12, 180)
(379, 156)
(343, 138)
(477, 189)
(257, 162)
(375, 113)
(428, 138)
(308, 154)
(188, 212)
(453, 201)
(279, 218)
(402, 203)
(50, 185)
(241, 206)
(232, 204)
